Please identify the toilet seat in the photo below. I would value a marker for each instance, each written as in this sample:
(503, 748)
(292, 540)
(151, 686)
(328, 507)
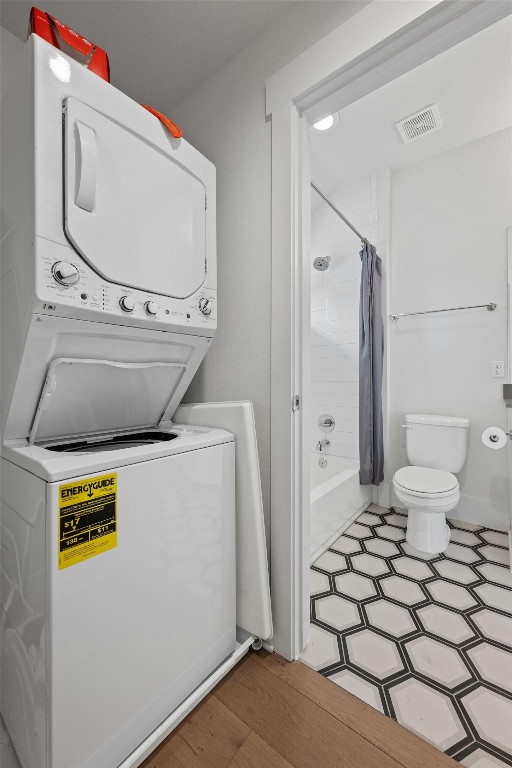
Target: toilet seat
(425, 482)
(428, 494)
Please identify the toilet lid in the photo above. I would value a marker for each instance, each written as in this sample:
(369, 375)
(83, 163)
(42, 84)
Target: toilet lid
(425, 480)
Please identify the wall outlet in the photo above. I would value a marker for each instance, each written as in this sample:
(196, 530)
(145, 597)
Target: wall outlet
(498, 369)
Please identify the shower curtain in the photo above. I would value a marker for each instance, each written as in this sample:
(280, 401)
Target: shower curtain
(371, 353)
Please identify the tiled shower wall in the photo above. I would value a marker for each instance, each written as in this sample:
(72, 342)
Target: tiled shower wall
(335, 311)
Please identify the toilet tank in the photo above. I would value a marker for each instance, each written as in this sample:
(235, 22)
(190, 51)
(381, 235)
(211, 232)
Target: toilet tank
(438, 442)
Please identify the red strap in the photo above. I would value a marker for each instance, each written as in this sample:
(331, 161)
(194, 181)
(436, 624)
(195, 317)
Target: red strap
(99, 64)
(173, 129)
(44, 25)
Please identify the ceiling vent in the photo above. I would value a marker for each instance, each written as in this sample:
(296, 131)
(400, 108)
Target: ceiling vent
(426, 120)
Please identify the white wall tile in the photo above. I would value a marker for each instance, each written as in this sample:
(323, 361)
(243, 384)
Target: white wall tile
(318, 304)
(335, 314)
(346, 301)
(318, 316)
(335, 387)
(330, 351)
(331, 374)
(337, 288)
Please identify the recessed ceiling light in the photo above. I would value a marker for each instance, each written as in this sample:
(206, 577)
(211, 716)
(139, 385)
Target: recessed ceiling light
(326, 122)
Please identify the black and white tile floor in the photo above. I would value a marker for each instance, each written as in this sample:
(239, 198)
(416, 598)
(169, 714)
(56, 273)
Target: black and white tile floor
(425, 639)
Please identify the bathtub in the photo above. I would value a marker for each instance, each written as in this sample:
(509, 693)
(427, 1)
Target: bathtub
(336, 499)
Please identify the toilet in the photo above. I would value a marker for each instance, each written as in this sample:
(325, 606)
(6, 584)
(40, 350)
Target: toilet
(436, 449)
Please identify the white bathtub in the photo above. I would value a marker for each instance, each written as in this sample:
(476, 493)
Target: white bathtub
(336, 498)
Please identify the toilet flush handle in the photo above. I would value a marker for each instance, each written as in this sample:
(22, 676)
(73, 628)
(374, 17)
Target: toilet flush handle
(406, 426)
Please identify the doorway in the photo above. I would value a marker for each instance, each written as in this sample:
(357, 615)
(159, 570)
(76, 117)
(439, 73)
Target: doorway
(294, 102)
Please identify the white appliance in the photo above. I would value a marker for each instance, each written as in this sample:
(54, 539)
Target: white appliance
(118, 537)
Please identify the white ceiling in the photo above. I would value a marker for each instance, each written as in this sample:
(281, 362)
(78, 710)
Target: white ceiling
(159, 50)
(472, 85)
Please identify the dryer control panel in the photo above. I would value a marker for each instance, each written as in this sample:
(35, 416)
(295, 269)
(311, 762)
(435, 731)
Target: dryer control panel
(66, 285)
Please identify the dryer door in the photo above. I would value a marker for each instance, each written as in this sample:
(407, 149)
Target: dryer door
(134, 214)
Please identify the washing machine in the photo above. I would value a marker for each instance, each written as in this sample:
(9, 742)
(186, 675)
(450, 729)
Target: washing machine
(117, 525)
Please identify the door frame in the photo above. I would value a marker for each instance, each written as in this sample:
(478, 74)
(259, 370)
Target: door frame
(509, 379)
(379, 43)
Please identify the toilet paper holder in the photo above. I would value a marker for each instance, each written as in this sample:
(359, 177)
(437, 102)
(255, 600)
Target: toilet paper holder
(495, 438)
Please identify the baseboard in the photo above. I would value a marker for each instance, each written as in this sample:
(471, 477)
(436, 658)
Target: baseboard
(472, 509)
(381, 495)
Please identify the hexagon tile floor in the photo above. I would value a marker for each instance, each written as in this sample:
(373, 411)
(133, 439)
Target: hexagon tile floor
(426, 639)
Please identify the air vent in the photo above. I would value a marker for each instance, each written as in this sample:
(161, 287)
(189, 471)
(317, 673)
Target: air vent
(426, 120)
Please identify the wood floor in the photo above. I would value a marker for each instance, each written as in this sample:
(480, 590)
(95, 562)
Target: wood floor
(269, 713)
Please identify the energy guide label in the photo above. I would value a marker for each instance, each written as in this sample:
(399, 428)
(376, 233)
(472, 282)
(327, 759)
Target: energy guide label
(87, 518)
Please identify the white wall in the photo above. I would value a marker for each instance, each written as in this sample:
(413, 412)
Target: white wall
(10, 49)
(225, 119)
(449, 217)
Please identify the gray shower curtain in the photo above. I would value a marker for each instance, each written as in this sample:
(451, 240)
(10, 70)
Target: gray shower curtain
(371, 353)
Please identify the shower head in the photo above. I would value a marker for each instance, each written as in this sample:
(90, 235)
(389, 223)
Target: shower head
(321, 263)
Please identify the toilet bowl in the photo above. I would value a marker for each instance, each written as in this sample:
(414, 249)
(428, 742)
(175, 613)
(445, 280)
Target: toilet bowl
(428, 494)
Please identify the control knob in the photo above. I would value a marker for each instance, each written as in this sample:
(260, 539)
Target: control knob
(151, 307)
(205, 306)
(126, 303)
(65, 273)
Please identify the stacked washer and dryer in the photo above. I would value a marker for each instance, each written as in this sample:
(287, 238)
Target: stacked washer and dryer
(118, 535)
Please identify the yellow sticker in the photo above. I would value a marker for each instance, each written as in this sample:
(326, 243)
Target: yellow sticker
(87, 518)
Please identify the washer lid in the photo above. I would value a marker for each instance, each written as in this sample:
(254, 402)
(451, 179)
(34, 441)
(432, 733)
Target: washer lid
(425, 480)
(91, 397)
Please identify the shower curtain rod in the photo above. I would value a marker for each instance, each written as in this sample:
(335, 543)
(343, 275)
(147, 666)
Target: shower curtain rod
(342, 217)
